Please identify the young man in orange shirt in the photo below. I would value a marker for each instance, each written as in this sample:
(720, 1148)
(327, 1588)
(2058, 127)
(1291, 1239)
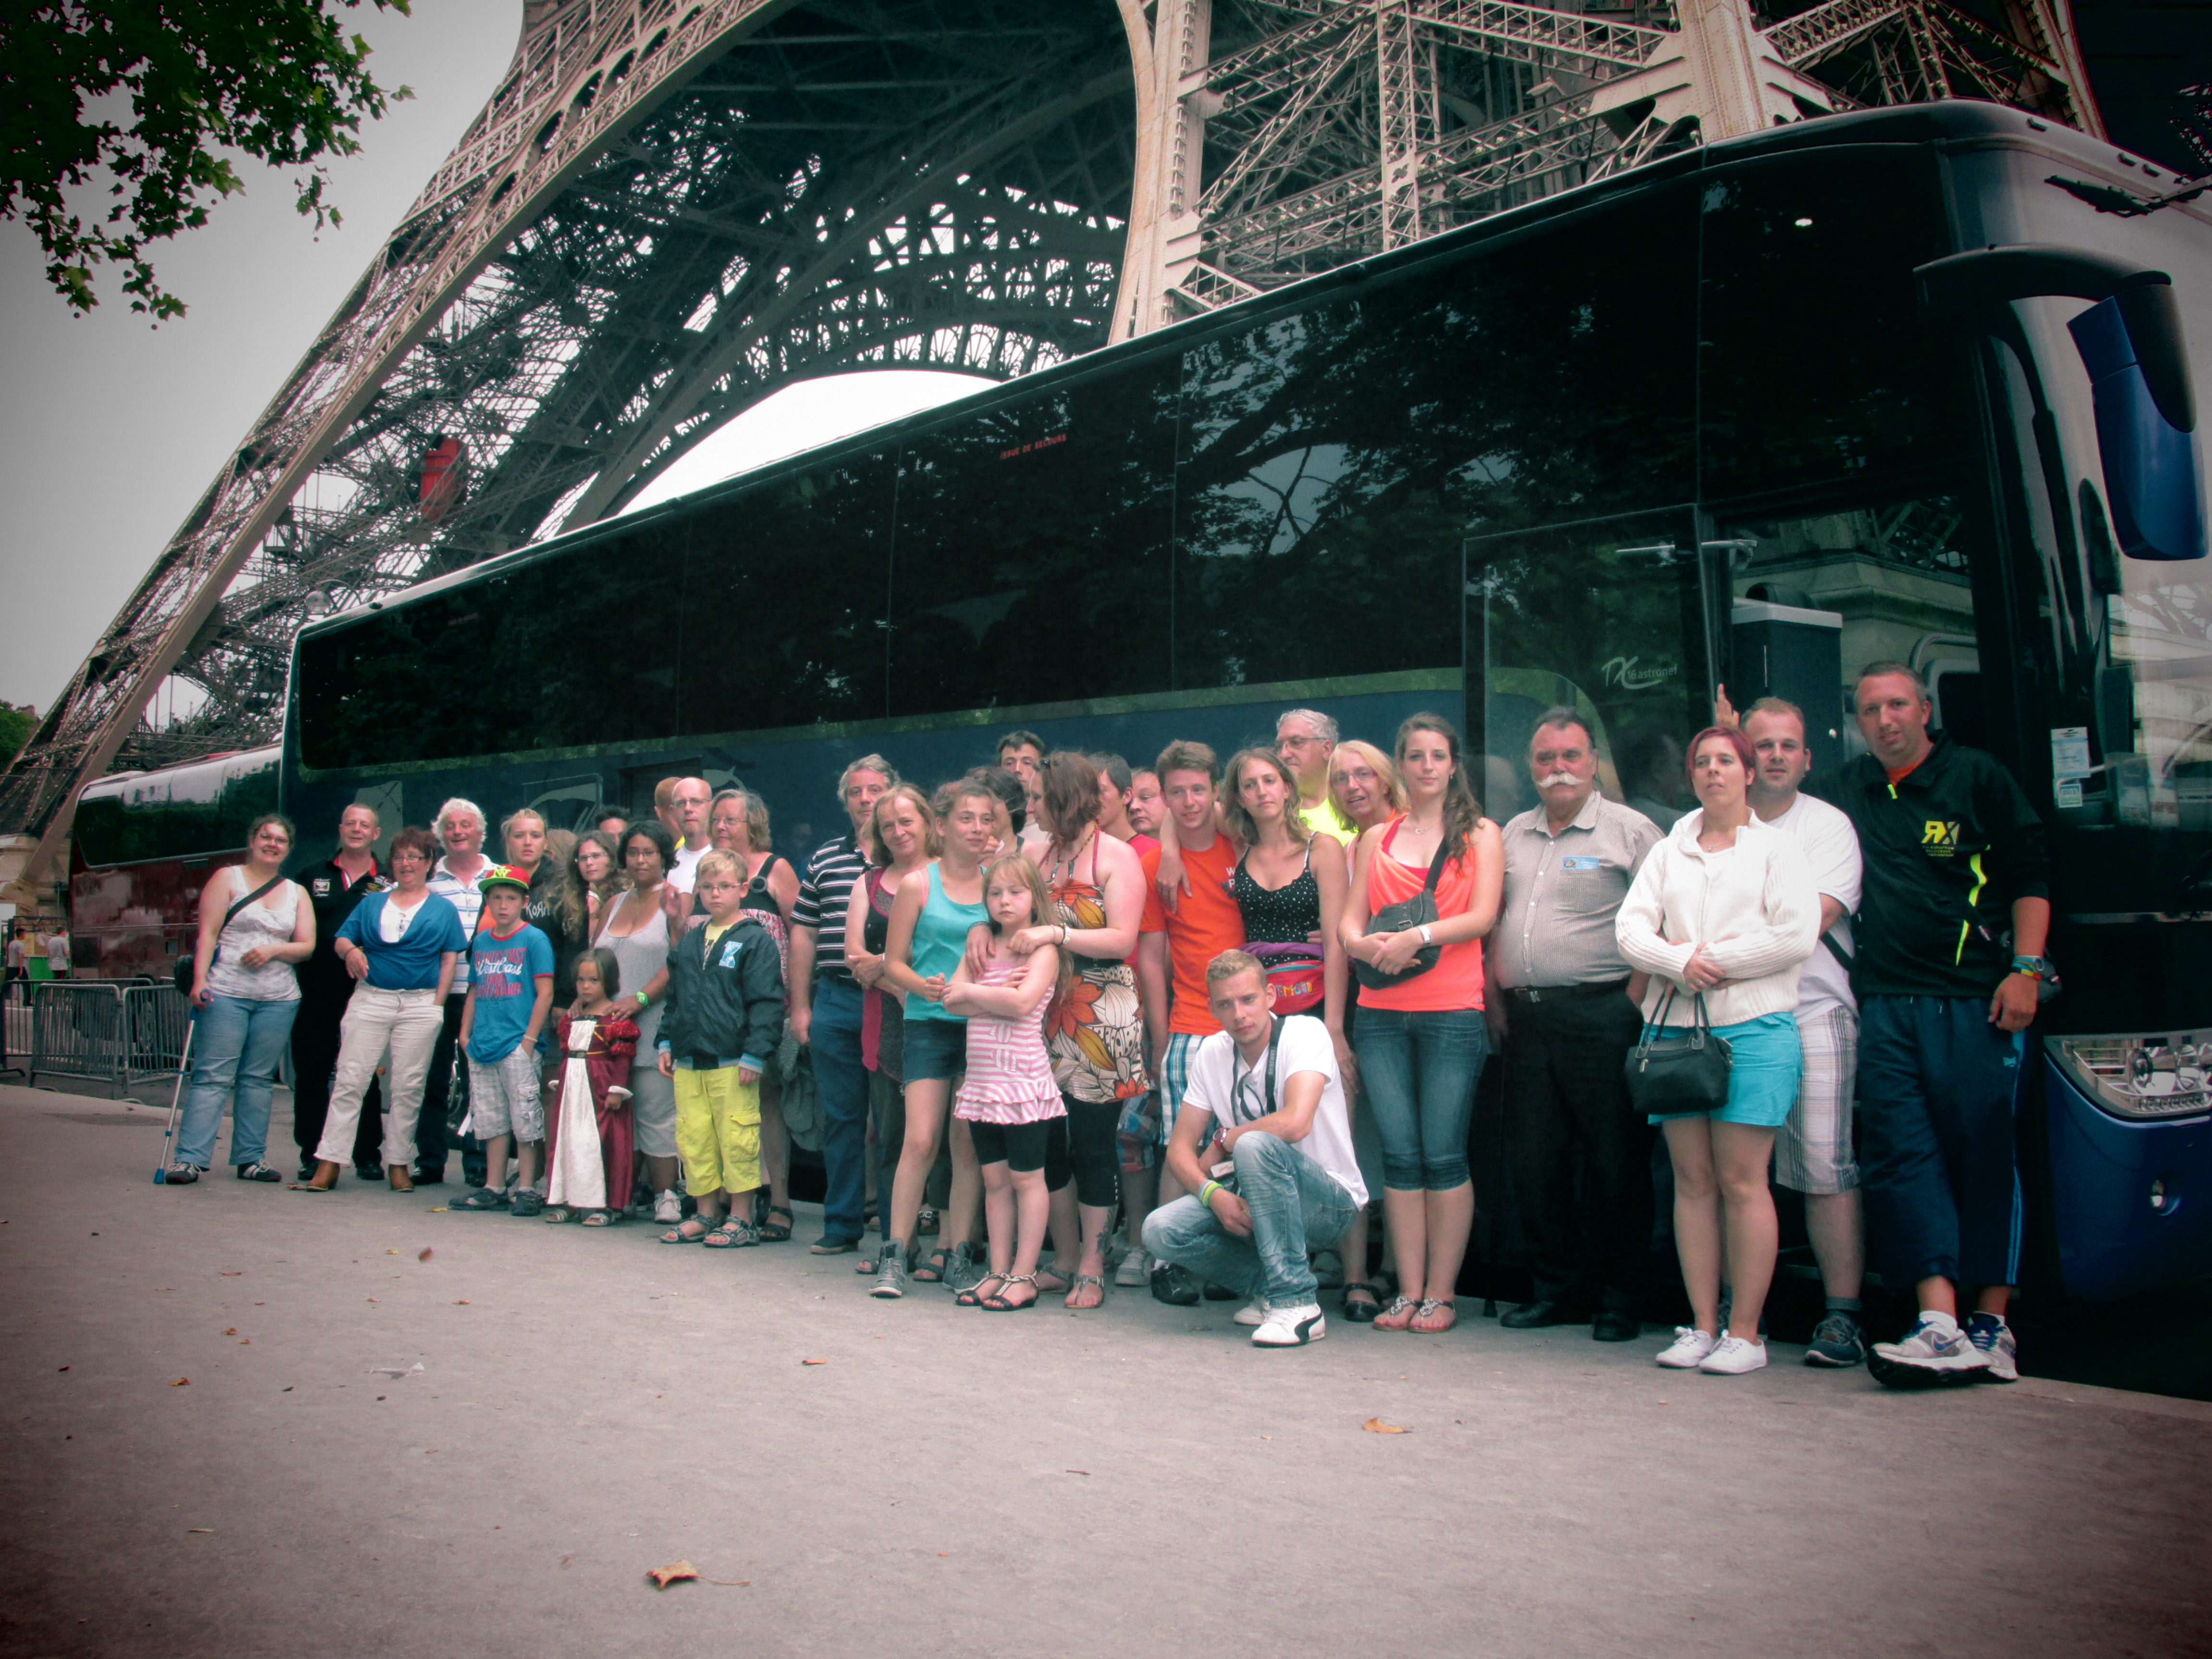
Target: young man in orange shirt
(1174, 947)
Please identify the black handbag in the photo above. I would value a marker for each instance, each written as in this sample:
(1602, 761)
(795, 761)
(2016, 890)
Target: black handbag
(181, 971)
(1668, 1076)
(1404, 916)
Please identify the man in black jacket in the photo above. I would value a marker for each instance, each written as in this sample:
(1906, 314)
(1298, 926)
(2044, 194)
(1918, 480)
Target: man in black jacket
(334, 887)
(1956, 860)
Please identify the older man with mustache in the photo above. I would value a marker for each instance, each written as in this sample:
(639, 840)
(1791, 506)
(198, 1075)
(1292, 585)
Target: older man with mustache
(1567, 1013)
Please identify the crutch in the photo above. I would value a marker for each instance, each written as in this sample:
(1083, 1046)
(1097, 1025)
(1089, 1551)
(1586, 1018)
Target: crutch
(176, 1099)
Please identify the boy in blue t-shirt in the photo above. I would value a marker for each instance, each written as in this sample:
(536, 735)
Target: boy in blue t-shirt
(510, 993)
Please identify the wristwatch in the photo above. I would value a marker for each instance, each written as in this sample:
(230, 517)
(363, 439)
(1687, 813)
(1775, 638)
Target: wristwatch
(1428, 934)
(2042, 971)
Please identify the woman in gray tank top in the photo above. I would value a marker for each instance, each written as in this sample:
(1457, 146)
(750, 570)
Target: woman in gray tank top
(244, 997)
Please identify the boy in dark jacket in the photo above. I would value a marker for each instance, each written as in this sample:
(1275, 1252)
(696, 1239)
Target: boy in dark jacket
(724, 1019)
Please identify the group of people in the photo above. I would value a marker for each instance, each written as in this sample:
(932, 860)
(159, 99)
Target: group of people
(33, 954)
(1221, 1000)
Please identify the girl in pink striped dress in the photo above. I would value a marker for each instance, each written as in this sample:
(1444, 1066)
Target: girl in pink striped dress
(1009, 1099)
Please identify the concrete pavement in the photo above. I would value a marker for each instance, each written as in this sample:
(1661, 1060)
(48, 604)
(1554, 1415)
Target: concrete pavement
(1135, 1481)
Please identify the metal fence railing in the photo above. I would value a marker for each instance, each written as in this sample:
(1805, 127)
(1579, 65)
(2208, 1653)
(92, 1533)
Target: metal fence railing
(116, 1032)
(14, 1024)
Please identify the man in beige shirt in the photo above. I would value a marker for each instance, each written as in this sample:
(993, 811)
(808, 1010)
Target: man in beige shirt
(1564, 1007)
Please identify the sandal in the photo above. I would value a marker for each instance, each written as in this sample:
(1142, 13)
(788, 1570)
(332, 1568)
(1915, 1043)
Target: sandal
(689, 1231)
(1430, 1307)
(558, 1213)
(931, 1272)
(926, 1220)
(773, 1232)
(1082, 1279)
(599, 1218)
(997, 1302)
(724, 1233)
(974, 1295)
(1362, 1313)
(1395, 1317)
(1063, 1280)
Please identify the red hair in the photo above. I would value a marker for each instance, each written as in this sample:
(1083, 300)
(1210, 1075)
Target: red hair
(1736, 740)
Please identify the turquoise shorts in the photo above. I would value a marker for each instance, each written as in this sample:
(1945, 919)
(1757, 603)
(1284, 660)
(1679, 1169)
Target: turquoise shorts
(1764, 1060)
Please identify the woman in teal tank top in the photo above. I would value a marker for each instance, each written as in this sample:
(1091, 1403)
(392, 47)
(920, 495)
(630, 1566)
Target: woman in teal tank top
(936, 909)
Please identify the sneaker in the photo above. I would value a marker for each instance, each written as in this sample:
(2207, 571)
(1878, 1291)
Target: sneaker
(1135, 1269)
(257, 1170)
(528, 1202)
(1291, 1327)
(1993, 1338)
(182, 1175)
(1173, 1286)
(1837, 1341)
(1254, 1312)
(667, 1208)
(1689, 1348)
(480, 1198)
(1934, 1354)
(891, 1271)
(965, 1269)
(1732, 1356)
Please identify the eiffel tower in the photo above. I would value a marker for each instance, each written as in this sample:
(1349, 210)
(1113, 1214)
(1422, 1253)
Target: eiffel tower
(670, 209)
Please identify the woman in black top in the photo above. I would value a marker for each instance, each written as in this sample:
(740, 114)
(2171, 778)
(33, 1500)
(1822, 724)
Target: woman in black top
(326, 987)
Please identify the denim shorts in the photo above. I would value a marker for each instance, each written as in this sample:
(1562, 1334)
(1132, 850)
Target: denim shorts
(1765, 1062)
(934, 1048)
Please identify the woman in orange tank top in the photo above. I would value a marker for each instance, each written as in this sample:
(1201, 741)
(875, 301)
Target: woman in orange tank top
(1422, 1042)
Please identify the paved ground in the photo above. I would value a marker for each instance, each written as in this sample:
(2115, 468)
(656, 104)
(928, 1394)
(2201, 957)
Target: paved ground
(1133, 1482)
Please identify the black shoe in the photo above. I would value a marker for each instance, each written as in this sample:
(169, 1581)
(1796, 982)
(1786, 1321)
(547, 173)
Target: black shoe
(1615, 1325)
(430, 1174)
(369, 1171)
(1175, 1287)
(1542, 1311)
(307, 1168)
(473, 1172)
(257, 1170)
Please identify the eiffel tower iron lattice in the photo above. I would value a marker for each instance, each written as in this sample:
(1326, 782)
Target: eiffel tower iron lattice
(669, 210)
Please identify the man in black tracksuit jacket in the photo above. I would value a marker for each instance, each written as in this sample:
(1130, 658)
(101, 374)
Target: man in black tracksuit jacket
(723, 1023)
(1955, 859)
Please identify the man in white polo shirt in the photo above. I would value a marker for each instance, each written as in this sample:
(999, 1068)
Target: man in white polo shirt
(1288, 1182)
(1812, 1151)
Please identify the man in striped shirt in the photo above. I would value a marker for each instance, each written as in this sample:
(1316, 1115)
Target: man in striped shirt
(825, 1004)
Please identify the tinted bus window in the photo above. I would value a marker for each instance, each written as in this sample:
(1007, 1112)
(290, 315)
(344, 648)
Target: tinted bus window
(1031, 560)
(184, 812)
(1817, 367)
(783, 603)
(1335, 460)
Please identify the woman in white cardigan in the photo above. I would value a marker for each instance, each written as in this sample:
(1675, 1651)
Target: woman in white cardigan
(1725, 907)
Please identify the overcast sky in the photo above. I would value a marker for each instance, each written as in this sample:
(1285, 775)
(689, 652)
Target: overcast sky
(112, 428)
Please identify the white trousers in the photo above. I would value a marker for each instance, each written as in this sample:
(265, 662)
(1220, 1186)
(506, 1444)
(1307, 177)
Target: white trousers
(403, 1024)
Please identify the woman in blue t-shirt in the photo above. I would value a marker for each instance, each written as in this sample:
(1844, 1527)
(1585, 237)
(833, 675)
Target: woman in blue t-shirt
(401, 947)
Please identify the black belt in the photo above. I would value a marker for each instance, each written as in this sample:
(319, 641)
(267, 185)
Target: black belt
(1565, 993)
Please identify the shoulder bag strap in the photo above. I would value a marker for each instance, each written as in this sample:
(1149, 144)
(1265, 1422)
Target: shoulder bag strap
(1436, 863)
(231, 914)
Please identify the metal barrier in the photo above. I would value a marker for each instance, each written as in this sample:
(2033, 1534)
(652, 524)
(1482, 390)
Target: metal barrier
(14, 1024)
(106, 1031)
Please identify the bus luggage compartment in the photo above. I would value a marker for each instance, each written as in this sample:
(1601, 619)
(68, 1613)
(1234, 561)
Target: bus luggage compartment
(2130, 1195)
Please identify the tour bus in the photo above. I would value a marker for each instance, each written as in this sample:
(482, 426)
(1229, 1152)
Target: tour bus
(142, 846)
(1898, 383)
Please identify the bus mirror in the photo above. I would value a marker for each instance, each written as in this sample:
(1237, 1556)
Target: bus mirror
(2131, 344)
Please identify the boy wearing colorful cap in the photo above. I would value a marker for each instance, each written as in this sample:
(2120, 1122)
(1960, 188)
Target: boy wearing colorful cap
(510, 994)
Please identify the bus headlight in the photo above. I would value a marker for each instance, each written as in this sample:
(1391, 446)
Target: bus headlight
(2140, 1079)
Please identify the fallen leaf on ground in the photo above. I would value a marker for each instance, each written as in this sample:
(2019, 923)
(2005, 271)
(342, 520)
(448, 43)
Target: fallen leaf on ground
(182, 1382)
(233, 1331)
(245, 1341)
(391, 1252)
(200, 1529)
(1377, 1425)
(439, 1209)
(813, 1362)
(64, 1368)
(238, 1273)
(463, 1303)
(664, 1576)
(1079, 1471)
(423, 1254)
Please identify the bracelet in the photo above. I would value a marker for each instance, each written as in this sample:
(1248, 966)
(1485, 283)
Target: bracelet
(1205, 1193)
(643, 1000)
(1063, 933)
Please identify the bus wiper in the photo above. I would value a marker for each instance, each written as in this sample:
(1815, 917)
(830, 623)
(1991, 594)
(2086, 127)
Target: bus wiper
(2106, 199)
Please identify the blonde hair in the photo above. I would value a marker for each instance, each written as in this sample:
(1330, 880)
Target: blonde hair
(1013, 868)
(1242, 824)
(871, 835)
(718, 864)
(1384, 767)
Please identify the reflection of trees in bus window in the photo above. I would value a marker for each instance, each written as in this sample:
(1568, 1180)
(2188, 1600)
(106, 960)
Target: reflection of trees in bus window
(1604, 620)
(1332, 461)
(1030, 563)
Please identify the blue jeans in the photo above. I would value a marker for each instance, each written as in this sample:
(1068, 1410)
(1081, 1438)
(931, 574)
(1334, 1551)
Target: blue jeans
(236, 1043)
(1297, 1207)
(1418, 1071)
(842, 1081)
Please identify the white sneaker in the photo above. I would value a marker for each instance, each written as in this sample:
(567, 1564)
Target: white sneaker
(1291, 1327)
(668, 1208)
(1254, 1312)
(1934, 1354)
(1688, 1350)
(1993, 1338)
(1136, 1269)
(1732, 1356)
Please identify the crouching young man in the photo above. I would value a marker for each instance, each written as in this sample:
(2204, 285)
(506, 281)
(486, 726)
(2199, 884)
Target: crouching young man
(1271, 1088)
